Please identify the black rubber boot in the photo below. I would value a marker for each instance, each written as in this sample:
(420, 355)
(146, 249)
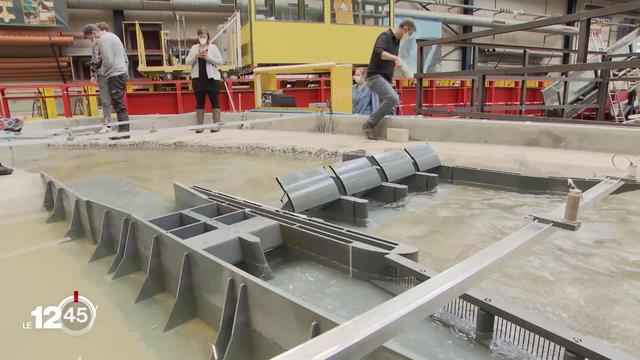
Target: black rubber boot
(368, 131)
(123, 128)
(5, 170)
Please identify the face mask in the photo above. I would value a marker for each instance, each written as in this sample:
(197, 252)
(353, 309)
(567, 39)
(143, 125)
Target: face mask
(202, 41)
(358, 79)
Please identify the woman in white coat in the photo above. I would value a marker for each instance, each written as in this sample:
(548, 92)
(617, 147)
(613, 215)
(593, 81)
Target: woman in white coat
(204, 59)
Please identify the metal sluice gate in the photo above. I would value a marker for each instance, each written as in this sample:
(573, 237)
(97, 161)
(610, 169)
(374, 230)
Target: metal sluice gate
(214, 257)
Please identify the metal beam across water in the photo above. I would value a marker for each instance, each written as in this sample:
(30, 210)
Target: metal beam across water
(365, 333)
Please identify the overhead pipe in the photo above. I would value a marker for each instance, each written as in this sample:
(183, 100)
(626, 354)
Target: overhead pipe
(42, 65)
(75, 35)
(459, 19)
(35, 40)
(22, 60)
(29, 70)
(19, 76)
(517, 53)
(474, 7)
(208, 6)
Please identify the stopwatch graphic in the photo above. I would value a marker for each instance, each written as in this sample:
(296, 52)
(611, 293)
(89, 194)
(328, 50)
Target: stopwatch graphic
(75, 315)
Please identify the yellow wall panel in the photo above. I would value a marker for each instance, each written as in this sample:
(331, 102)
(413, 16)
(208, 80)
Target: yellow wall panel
(295, 43)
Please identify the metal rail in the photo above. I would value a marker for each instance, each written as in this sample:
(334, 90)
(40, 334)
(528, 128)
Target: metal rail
(529, 118)
(363, 334)
(520, 47)
(610, 65)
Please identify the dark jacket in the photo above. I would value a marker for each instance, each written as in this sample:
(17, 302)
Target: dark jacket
(388, 42)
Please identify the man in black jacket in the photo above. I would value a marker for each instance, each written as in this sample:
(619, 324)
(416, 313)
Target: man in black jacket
(384, 60)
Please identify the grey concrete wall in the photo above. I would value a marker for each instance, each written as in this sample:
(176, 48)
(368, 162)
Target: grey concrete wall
(609, 139)
(141, 122)
(561, 136)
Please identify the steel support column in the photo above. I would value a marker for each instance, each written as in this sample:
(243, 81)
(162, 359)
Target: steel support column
(480, 84)
(583, 41)
(474, 89)
(466, 53)
(420, 81)
(567, 41)
(603, 90)
(523, 83)
(565, 93)
(118, 19)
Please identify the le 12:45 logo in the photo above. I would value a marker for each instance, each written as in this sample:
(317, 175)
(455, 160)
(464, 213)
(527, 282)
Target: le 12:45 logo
(75, 315)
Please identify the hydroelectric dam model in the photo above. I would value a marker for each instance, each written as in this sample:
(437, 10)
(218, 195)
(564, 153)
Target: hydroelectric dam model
(220, 254)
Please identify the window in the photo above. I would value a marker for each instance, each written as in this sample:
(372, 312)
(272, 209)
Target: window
(362, 12)
(290, 10)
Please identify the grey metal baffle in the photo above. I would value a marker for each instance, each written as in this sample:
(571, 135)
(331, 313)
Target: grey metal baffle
(309, 189)
(356, 176)
(424, 156)
(396, 165)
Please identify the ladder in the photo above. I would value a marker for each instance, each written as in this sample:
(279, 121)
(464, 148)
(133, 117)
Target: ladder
(598, 44)
(617, 106)
(613, 91)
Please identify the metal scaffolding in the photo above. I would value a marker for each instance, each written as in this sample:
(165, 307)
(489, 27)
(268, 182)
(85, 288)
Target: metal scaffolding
(568, 72)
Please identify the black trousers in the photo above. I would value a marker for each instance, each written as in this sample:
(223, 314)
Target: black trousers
(210, 90)
(117, 87)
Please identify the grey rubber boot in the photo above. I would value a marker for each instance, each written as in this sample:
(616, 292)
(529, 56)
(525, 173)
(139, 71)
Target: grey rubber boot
(215, 114)
(106, 114)
(199, 119)
(217, 117)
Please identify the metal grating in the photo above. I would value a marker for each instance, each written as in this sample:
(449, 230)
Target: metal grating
(508, 338)
(511, 338)
(463, 310)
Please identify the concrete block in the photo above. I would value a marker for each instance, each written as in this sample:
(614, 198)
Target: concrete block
(398, 135)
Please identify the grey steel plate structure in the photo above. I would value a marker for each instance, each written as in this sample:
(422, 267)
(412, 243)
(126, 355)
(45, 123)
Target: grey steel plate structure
(213, 256)
(395, 164)
(309, 189)
(423, 156)
(357, 175)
